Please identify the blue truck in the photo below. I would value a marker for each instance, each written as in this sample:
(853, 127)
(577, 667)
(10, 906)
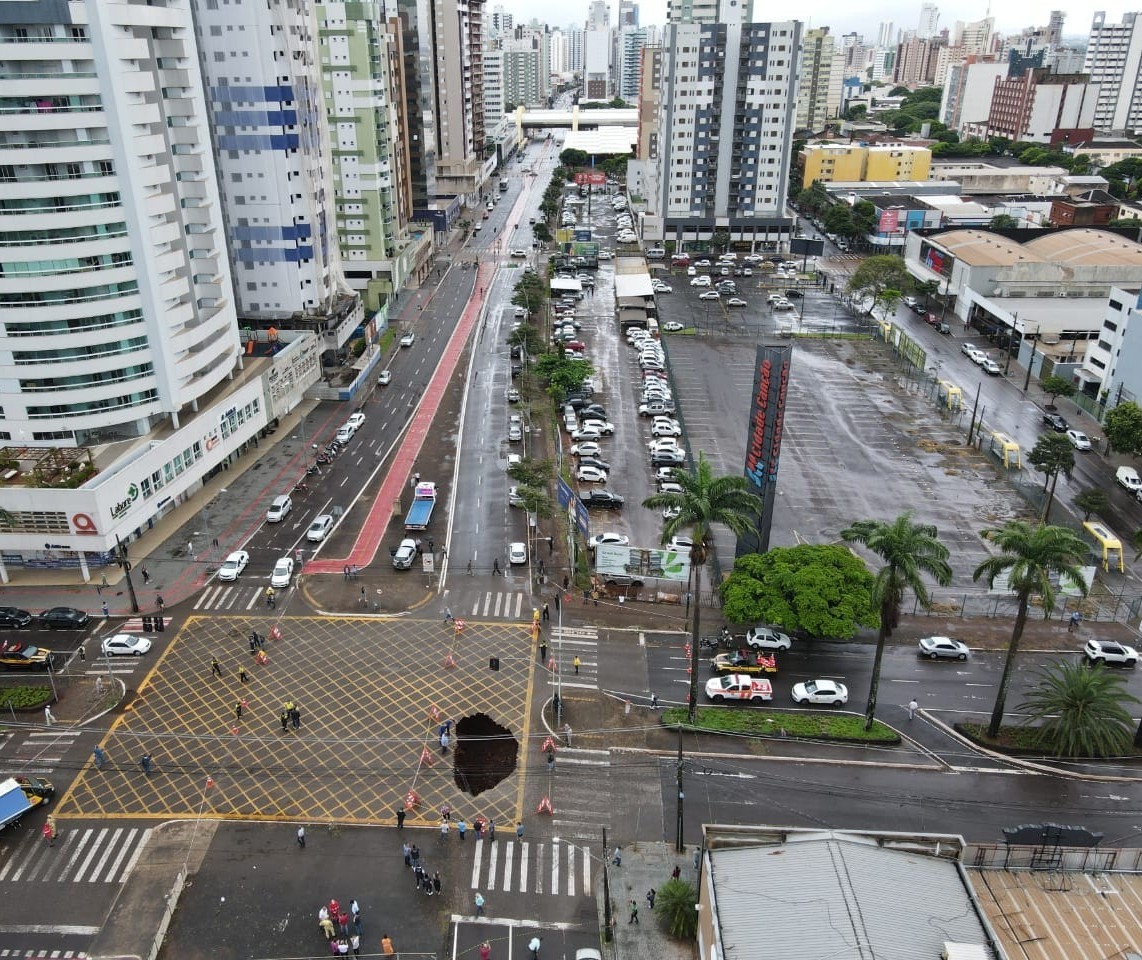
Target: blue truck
(423, 500)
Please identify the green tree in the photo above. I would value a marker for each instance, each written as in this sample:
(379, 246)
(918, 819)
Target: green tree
(562, 375)
(526, 336)
(864, 220)
(814, 199)
(1052, 455)
(839, 220)
(530, 292)
(1091, 500)
(705, 499)
(823, 590)
(534, 499)
(720, 240)
(909, 551)
(541, 233)
(1003, 221)
(1080, 711)
(531, 473)
(574, 158)
(1030, 556)
(927, 289)
(675, 907)
(1123, 426)
(1055, 386)
(878, 274)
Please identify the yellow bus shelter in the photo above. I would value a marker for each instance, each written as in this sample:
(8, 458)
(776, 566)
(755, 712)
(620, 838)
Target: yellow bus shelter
(1107, 544)
(1007, 450)
(950, 395)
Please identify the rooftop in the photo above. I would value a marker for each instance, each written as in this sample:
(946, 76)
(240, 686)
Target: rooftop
(1079, 247)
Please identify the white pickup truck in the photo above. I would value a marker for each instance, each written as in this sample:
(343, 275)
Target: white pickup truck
(737, 686)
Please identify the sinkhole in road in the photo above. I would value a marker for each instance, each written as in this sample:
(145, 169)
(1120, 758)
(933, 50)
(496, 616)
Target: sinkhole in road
(485, 754)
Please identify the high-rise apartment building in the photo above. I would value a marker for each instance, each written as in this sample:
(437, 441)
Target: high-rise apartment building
(267, 112)
(1114, 62)
(526, 73)
(725, 125)
(1038, 106)
(118, 330)
(631, 43)
(975, 37)
(458, 46)
(628, 14)
(495, 105)
(575, 41)
(887, 35)
(966, 100)
(813, 91)
(929, 21)
(501, 22)
(361, 75)
(915, 62)
(597, 80)
(557, 47)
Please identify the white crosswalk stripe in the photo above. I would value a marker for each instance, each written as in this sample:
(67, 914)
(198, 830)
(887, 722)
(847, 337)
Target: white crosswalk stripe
(35, 753)
(555, 867)
(579, 791)
(85, 855)
(567, 643)
(506, 604)
(229, 596)
(135, 625)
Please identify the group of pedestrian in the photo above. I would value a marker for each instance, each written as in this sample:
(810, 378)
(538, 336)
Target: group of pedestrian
(428, 885)
(351, 571)
(445, 733)
(342, 927)
(290, 716)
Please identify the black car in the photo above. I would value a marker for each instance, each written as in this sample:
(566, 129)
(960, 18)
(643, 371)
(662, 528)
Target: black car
(794, 294)
(63, 618)
(1055, 422)
(14, 617)
(603, 498)
(917, 308)
(577, 401)
(594, 410)
(594, 462)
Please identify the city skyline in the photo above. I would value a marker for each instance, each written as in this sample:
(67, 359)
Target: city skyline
(863, 19)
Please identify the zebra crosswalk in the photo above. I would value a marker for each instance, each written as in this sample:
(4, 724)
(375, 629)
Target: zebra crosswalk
(35, 752)
(551, 867)
(567, 643)
(83, 855)
(508, 604)
(230, 596)
(580, 793)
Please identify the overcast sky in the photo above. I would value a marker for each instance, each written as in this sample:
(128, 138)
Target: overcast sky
(862, 17)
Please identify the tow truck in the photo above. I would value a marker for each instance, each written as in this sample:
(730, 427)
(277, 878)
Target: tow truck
(744, 661)
(737, 686)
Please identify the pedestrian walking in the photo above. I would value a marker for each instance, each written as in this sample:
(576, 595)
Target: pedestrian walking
(431, 545)
(595, 596)
(354, 908)
(146, 576)
(215, 667)
(576, 663)
(445, 812)
(566, 581)
(418, 874)
(100, 756)
(550, 761)
(653, 700)
(357, 925)
(546, 611)
(1076, 619)
(355, 944)
(443, 743)
(49, 717)
(556, 599)
(102, 584)
(567, 733)
(461, 828)
(496, 568)
(677, 871)
(485, 951)
(533, 945)
(363, 600)
(543, 651)
(617, 857)
(651, 895)
(436, 882)
(284, 718)
(416, 478)
(491, 829)
(469, 568)
(47, 831)
(550, 546)
(160, 602)
(146, 764)
(913, 706)
(479, 904)
(343, 922)
(242, 675)
(238, 710)
(444, 828)
(448, 618)
(407, 851)
(99, 686)
(387, 946)
(414, 852)
(106, 610)
(400, 818)
(346, 572)
(82, 655)
(519, 830)
(190, 550)
(633, 912)
(301, 837)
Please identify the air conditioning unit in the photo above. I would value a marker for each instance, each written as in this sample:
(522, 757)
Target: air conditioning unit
(964, 951)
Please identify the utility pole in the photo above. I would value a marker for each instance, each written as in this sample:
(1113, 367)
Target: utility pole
(1031, 362)
(679, 847)
(608, 918)
(121, 549)
(974, 408)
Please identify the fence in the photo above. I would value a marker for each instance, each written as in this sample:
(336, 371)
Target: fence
(1001, 856)
(1104, 608)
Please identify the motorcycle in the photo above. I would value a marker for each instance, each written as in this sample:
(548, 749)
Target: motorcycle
(324, 458)
(301, 487)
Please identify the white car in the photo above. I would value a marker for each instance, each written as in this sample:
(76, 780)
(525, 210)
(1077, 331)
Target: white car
(821, 691)
(664, 474)
(670, 487)
(514, 499)
(710, 295)
(588, 448)
(991, 367)
(619, 539)
(233, 565)
(514, 460)
(735, 302)
(936, 647)
(968, 349)
(408, 340)
(702, 281)
(662, 443)
(978, 357)
(591, 475)
(355, 420)
(767, 638)
(673, 326)
(517, 553)
(1079, 440)
(519, 253)
(283, 572)
(665, 428)
(345, 434)
(125, 645)
(385, 378)
(1106, 651)
(404, 555)
(782, 304)
(680, 544)
(585, 434)
(603, 426)
(664, 288)
(319, 529)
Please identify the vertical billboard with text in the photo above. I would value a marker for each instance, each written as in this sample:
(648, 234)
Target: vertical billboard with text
(763, 441)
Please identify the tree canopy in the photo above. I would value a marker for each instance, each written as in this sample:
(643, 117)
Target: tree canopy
(1123, 426)
(1080, 711)
(819, 589)
(877, 275)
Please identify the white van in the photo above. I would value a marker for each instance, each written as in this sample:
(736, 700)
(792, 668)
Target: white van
(652, 327)
(656, 253)
(1128, 477)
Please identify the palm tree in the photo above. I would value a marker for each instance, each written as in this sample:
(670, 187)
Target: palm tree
(704, 501)
(1029, 556)
(1081, 711)
(909, 551)
(675, 907)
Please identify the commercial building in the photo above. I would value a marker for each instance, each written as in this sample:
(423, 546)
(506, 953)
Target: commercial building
(725, 126)
(1039, 106)
(1111, 370)
(123, 385)
(967, 92)
(828, 162)
(1114, 62)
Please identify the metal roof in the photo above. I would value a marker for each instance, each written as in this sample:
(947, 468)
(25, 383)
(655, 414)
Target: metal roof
(633, 285)
(840, 896)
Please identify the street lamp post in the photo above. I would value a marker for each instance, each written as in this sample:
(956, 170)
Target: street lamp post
(1030, 361)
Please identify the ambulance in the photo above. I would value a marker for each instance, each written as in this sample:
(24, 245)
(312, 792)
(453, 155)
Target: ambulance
(737, 686)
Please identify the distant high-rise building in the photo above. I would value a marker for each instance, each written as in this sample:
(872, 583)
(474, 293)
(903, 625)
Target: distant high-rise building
(886, 36)
(975, 37)
(494, 101)
(501, 22)
(628, 14)
(597, 83)
(1114, 62)
(1038, 106)
(816, 81)
(725, 125)
(598, 15)
(557, 43)
(631, 42)
(575, 41)
(929, 21)
(915, 62)
(966, 100)
(526, 73)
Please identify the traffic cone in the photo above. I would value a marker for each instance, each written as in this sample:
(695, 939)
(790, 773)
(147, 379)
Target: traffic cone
(426, 757)
(449, 661)
(545, 807)
(411, 800)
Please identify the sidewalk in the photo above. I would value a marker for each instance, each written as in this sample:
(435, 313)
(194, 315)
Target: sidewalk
(644, 865)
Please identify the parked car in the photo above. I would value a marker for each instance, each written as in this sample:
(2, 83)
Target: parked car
(943, 647)
(1079, 440)
(602, 498)
(821, 691)
(587, 474)
(767, 638)
(63, 618)
(517, 553)
(13, 618)
(408, 340)
(618, 539)
(1056, 422)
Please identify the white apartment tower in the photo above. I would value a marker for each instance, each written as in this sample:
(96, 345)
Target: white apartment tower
(118, 309)
(575, 40)
(493, 81)
(929, 21)
(816, 83)
(1114, 62)
(631, 42)
(263, 88)
(726, 124)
